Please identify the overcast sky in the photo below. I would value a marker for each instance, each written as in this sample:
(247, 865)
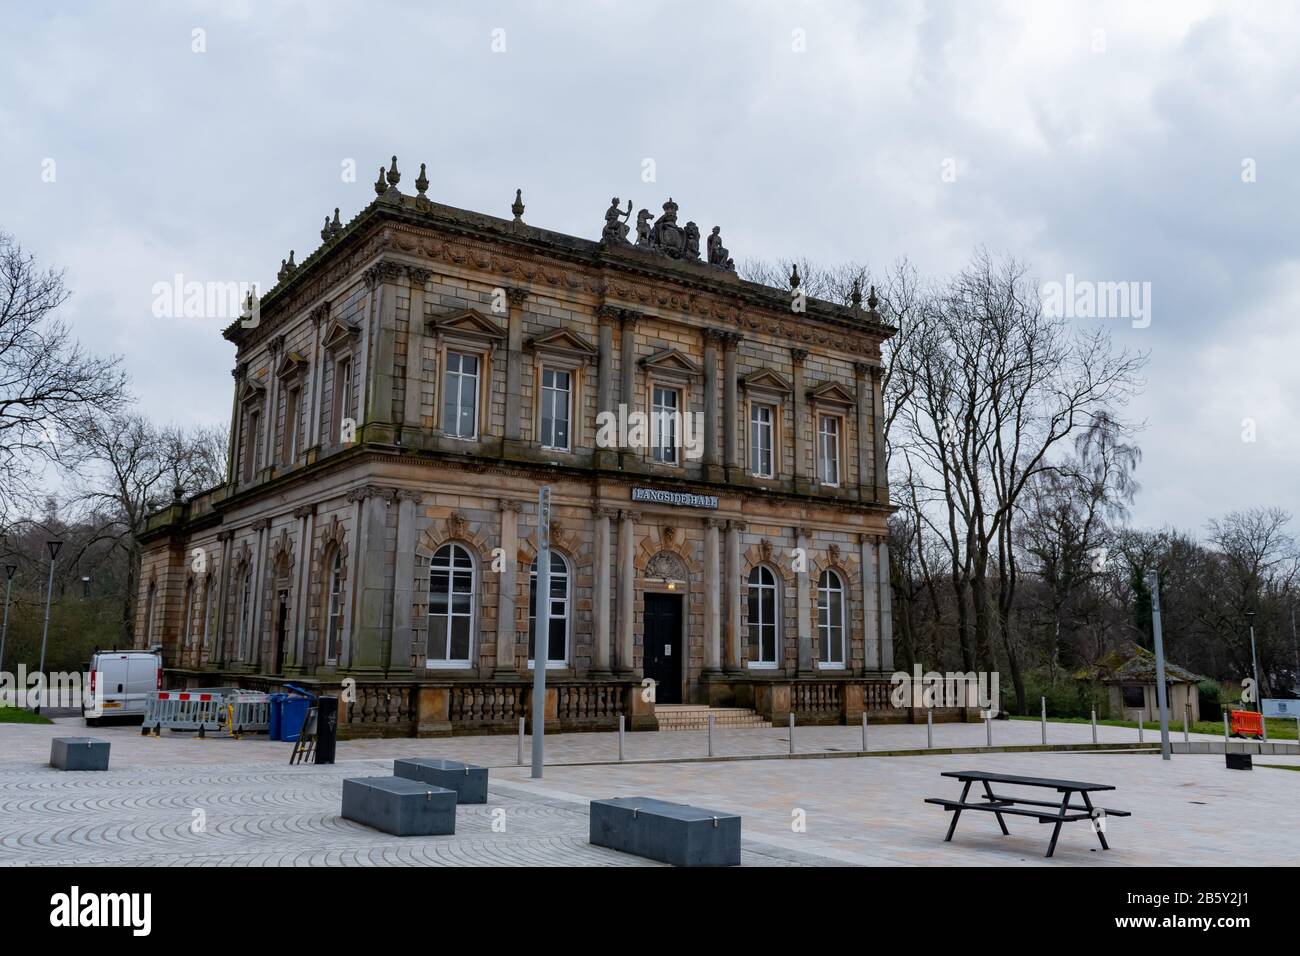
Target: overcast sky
(1111, 142)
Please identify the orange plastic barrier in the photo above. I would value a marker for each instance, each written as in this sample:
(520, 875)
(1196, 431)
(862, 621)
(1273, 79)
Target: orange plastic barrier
(1247, 722)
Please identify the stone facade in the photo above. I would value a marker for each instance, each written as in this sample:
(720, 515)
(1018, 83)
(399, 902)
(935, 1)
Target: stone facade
(349, 480)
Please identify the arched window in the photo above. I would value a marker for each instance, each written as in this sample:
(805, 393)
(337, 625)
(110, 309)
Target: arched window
(187, 623)
(557, 644)
(764, 617)
(451, 607)
(334, 609)
(246, 614)
(830, 619)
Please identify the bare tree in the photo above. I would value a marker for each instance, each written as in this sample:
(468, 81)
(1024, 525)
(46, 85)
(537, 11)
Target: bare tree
(46, 379)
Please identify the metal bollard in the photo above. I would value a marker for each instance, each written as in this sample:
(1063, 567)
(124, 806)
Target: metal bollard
(792, 732)
(710, 735)
(1263, 729)
(1225, 728)
(988, 729)
(1187, 734)
(1044, 720)
(1141, 720)
(621, 718)
(929, 729)
(519, 758)
(864, 731)
(1094, 725)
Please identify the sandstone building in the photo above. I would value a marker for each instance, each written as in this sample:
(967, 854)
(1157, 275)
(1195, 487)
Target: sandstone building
(401, 395)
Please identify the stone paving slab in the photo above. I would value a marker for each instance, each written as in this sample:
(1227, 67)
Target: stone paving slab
(257, 810)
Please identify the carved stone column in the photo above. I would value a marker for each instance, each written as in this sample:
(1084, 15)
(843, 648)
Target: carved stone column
(317, 375)
(367, 641)
(608, 318)
(628, 368)
(713, 596)
(735, 594)
(600, 597)
(886, 612)
(711, 470)
(799, 409)
(804, 608)
(862, 374)
(412, 434)
(881, 468)
(399, 654)
(296, 655)
(380, 368)
(262, 527)
(239, 373)
(626, 590)
(868, 555)
(507, 589)
(226, 539)
(514, 363)
(730, 438)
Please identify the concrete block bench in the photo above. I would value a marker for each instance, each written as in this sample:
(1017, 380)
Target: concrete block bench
(399, 806)
(79, 753)
(668, 832)
(469, 782)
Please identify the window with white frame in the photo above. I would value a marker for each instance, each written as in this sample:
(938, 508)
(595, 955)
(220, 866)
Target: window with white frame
(665, 408)
(557, 405)
(251, 429)
(828, 449)
(451, 607)
(830, 619)
(292, 406)
(460, 391)
(762, 421)
(334, 610)
(557, 623)
(764, 616)
(344, 428)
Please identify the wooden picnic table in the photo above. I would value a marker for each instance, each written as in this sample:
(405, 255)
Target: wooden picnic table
(1002, 805)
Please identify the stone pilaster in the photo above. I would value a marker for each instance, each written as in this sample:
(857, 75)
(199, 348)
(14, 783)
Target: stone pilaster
(600, 609)
(713, 597)
(316, 375)
(735, 591)
(412, 435)
(886, 611)
(868, 555)
(514, 363)
(399, 655)
(730, 406)
(804, 607)
(226, 539)
(380, 368)
(627, 363)
(608, 318)
(508, 589)
(626, 590)
(881, 468)
(368, 642)
(711, 470)
(862, 380)
(799, 409)
(297, 651)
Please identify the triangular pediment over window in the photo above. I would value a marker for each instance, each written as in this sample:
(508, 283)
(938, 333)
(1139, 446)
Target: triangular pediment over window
(251, 392)
(562, 341)
(833, 393)
(467, 323)
(671, 362)
(766, 380)
(339, 335)
(292, 364)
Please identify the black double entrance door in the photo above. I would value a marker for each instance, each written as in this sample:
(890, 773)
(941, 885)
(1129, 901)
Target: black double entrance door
(663, 646)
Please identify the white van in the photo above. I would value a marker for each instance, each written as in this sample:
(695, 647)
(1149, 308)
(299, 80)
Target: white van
(127, 678)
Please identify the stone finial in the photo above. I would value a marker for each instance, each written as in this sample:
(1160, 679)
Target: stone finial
(379, 183)
(517, 207)
(394, 177)
(325, 230)
(292, 265)
(284, 270)
(421, 181)
(336, 226)
(794, 277)
(856, 295)
(872, 301)
(178, 494)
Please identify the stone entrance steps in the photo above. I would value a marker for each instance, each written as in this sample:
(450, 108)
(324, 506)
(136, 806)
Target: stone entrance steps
(696, 717)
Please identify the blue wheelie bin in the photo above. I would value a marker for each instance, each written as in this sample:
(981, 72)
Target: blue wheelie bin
(276, 722)
(294, 712)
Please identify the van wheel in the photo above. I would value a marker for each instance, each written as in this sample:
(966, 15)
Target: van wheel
(90, 721)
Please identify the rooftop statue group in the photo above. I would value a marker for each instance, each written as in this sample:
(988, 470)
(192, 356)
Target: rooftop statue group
(664, 235)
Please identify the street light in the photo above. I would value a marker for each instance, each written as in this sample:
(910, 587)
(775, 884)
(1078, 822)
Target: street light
(53, 547)
(1254, 663)
(10, 570)
(85, 585)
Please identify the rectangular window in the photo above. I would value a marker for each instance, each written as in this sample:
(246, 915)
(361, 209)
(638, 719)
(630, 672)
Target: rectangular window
(556, 404)
(761, 418)
(250, 444)
(665, 407)
(828, 444)
(344, 428)
(291, 427)
(460, 396)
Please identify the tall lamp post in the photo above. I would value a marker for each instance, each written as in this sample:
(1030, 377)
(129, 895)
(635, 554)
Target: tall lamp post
(10, 570)
(53, 547)
(1254, 664)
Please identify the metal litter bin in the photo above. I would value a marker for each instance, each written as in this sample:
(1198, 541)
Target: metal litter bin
(327, 728)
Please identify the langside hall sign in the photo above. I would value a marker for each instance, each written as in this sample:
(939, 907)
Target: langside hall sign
(680, 499)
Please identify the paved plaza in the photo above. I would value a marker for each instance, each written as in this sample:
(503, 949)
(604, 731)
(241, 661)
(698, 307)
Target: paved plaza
(177, 800)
